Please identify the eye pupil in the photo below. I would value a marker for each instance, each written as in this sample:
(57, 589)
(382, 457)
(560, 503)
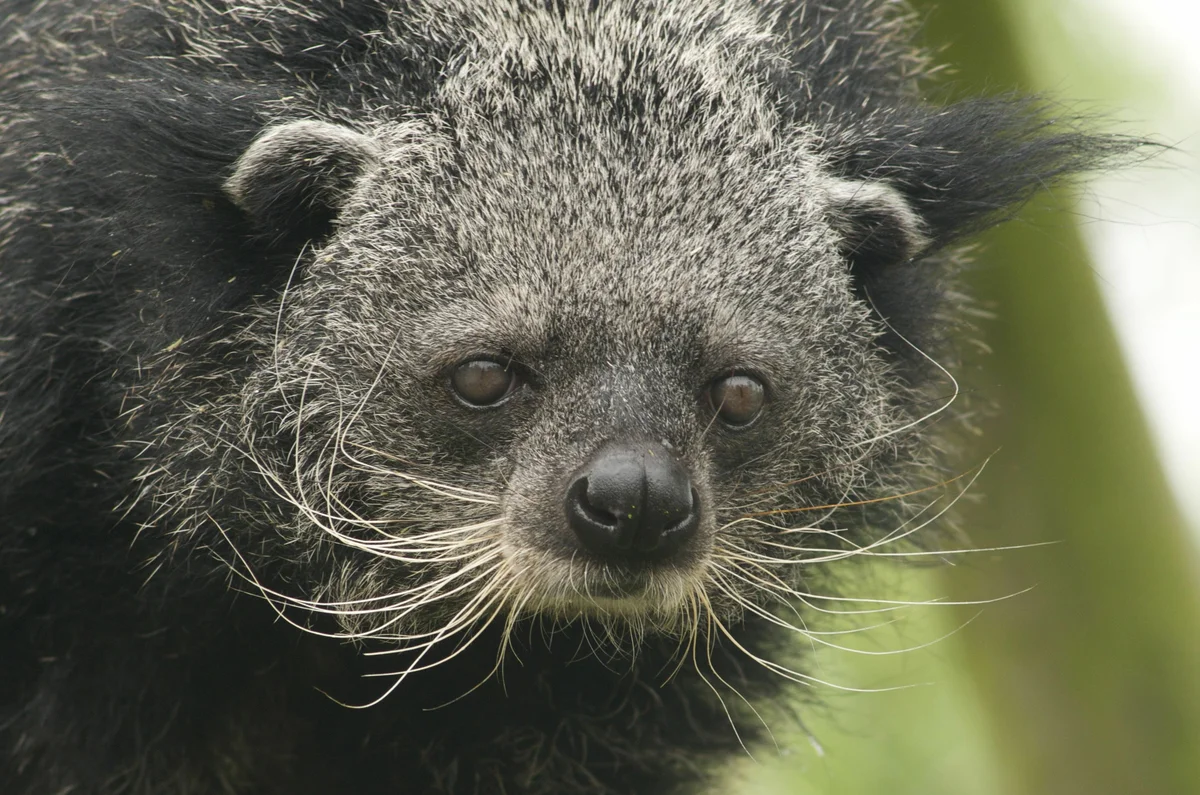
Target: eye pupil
(738, 399)
(482, 382)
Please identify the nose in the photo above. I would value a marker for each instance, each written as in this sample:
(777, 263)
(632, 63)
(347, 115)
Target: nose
(633, 501)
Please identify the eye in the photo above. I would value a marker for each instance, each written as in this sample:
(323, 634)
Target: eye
(483, 382)
(737, 399)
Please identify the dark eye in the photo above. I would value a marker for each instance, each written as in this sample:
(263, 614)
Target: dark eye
(483, 382)
(737, 399)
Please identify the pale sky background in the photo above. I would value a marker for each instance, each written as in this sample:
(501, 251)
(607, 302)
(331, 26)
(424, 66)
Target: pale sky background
(1141, 58)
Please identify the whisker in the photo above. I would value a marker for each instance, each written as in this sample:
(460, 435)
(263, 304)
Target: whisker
(710, 618)
(796, 676)
(889, 604)
(856, 503)
(814, 637)
(946, 405)
(966, 551)
(454, 627)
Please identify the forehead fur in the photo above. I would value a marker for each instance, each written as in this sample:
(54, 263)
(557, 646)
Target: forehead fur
(517, 219)
(643, 65)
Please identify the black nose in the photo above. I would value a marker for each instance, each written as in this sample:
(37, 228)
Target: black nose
(633, 501)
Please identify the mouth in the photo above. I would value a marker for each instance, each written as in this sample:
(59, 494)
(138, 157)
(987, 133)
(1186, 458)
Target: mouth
(615, 583)
(581, 585)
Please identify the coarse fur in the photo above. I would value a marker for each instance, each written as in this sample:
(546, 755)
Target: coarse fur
(243, 244)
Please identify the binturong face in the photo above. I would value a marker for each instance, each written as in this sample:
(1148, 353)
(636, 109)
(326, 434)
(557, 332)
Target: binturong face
(649, 365)
(541, 367)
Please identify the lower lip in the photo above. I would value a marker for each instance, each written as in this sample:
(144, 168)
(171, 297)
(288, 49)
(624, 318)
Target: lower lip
(617, 585)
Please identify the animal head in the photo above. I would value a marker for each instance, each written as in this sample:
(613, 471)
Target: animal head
(592, 335)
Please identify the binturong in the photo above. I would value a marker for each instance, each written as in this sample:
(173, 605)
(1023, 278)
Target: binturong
(438, 396)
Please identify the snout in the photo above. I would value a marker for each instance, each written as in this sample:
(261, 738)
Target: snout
(633, 502)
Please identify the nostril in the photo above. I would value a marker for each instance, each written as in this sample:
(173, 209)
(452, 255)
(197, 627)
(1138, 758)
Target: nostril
(681, 519)
(633, 500)
(598, 513)
(599, 527)
(674, 526)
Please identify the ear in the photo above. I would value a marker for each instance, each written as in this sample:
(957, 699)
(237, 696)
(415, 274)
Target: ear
(883, 240)
(294, 178)
(878, 226)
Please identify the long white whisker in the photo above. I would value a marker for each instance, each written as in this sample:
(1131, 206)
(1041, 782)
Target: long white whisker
(946, 405)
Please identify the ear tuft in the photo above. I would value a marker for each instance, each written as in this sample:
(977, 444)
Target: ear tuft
(293, 179)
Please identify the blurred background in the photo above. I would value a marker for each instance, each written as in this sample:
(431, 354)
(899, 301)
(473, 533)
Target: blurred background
(1080, 673)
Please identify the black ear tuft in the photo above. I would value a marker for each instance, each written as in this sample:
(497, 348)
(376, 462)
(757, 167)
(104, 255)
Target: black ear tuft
(292, 180)
(932, 176)
(970, 165)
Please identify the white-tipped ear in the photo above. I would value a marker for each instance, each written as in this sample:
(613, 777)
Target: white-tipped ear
(883, 241)
(293, 178)
(876, 221)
